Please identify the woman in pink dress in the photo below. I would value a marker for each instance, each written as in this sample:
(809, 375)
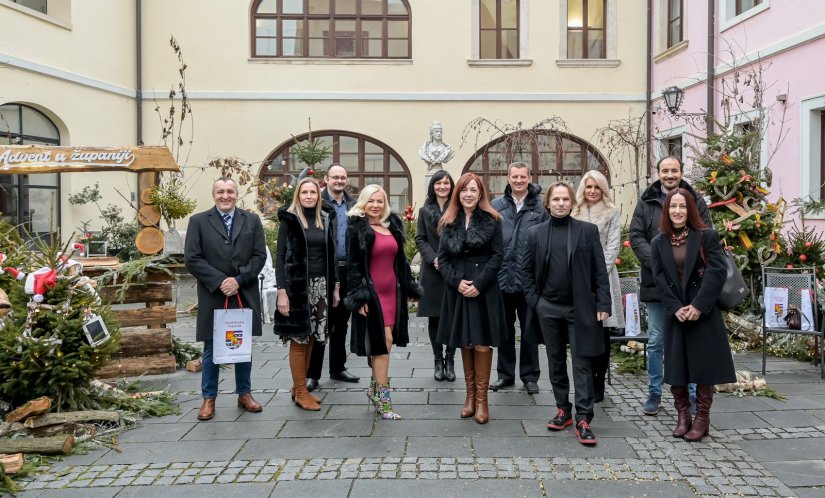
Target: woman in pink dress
(380, 282)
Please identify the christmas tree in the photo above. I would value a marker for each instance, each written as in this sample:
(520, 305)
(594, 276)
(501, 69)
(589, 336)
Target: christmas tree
(44, 349)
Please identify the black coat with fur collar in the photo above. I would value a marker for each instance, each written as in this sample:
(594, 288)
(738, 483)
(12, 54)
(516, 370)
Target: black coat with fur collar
(367, 337)
(471, 253)
(292, 269)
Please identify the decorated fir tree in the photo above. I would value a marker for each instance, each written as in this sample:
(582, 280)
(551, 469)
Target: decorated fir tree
(44, 349)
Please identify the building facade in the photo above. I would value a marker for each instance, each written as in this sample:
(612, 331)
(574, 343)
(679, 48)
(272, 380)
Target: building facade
(372, 75)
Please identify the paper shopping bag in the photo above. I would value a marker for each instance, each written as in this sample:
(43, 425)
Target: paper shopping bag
(633, 325)
(776, 306)
(806, 300)
(232, 334)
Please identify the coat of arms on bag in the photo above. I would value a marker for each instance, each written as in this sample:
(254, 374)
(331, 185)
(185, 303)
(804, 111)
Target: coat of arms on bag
(234, 339)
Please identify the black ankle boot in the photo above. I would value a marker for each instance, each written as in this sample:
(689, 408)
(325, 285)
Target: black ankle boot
(438, 374)
(449, 367)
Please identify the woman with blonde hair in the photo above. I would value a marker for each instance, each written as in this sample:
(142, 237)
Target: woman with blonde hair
(595, 205)
(380, 282)
(472, 312)
(305, 274)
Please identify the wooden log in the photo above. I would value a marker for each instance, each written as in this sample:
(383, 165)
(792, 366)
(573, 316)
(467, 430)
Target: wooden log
(138, 293)
(97, 261)
(66, 417)
(149, 216)
(55, 445)
(146, 180)
(79, 431)
(138, 365)
(145, 316)
(195, 365)
(149, 240)
(146, 195)
(11, 463)
(30, 409)
(144, 342)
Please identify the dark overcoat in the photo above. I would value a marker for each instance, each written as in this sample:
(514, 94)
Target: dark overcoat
(588, 277)
(645, 225)
(367, 332)
(514, 225)
(473, 253)
(293, 273)
(211, 257)
(426, 239)
(695, 351)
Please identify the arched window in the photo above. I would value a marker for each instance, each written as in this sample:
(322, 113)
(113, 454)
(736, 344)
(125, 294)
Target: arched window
(552, 156)
(29, 201)
(339, 29)
(366, 160)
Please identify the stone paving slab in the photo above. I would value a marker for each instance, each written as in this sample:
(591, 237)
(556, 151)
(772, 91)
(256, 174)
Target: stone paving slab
(338, 488)
(178, 451)
(327, 428)
(448, 428)
(439, 447)
(158, 433)
(738, 420)
(604, 489)
(801, 473)
(259, 429)
(236, 490)
(564, 443)
(341, 447)
(455, 489)
(789, 418)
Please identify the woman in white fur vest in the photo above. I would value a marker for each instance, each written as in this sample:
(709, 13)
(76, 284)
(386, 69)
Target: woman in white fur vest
(595, 205)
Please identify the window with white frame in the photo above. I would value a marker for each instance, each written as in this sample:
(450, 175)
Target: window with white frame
(38, 5)
(675, 16)
(499, 32)
(812, 135)
(588, 33)
(732, 12)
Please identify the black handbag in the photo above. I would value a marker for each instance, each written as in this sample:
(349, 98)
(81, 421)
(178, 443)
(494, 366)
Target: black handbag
(793, 318)
(734, 290)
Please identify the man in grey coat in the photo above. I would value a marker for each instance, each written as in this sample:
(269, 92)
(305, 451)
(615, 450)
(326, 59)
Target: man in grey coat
(225, 252)
(520, 209)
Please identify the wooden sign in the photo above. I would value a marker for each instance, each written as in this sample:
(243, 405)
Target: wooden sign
(30, 159)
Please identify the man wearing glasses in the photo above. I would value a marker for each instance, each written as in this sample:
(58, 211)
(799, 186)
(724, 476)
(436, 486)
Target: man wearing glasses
(335, 194)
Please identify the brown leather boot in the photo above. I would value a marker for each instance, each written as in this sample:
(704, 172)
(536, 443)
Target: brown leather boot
(701, 424)
(248, 403)
(484, 363)
(207, 410)
(308, 355)
(468, 360)
(298, 368)
(681, 401)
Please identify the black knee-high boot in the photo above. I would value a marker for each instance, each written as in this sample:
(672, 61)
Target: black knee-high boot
(432, 329)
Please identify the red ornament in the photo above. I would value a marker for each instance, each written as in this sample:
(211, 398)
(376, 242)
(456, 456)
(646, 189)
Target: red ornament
(618, 261)
(803, 257)
(627, 243)
(789, 266)
(311, 172)
(808, 243)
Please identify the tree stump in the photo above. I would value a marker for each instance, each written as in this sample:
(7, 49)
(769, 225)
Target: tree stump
(149, 241)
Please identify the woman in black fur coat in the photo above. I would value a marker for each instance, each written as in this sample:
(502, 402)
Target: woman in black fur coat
(305, 274)
(371, 295)
(472, 313)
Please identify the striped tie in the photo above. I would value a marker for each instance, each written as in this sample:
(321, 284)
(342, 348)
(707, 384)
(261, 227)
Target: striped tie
(227, 222)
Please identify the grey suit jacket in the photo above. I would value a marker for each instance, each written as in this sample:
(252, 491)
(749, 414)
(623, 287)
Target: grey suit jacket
(211, 257)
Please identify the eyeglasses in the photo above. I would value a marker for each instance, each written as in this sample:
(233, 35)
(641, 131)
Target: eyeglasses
(338, 178)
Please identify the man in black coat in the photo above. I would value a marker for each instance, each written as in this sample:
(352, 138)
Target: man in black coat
(520, 208)
(335, 195)
(569, 308)
(225, 252)
(643, 227)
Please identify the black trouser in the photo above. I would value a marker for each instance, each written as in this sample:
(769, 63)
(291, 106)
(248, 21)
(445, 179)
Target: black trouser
(529, 370)
(600, 365)
(558, 328)
(338, 324)
(432, 329)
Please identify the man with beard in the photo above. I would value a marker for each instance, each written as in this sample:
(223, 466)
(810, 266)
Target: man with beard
(643, 227)
(335, 194)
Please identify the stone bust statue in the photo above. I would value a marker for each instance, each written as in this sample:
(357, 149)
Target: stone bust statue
(434, 151)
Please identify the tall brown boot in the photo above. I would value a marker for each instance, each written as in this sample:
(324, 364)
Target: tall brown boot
(701, 424)
(468, 360)
(484, 363)
(308, 355)
(681, 401)
(298, 368)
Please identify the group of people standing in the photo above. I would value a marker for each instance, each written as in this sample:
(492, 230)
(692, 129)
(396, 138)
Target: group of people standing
(548, 261)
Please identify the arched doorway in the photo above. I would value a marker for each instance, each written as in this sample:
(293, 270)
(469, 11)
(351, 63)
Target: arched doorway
(552, 156)
(366, 159)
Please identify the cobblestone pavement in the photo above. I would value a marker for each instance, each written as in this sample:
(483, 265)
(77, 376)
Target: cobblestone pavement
(758, 446)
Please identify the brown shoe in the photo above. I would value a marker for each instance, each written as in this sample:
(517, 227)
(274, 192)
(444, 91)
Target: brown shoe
(298, 369)
(484, 363)
(468, 360)
(248, 403)
(207, 410)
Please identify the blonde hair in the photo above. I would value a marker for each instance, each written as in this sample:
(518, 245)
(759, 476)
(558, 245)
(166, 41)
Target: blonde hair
(601, 182)
(298, 210)
(364, 197)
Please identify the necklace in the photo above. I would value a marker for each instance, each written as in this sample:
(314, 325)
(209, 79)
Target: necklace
(677, 239)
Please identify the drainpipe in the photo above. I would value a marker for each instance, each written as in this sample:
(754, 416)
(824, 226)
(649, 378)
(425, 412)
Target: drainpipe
(711, 81)
(649, 87)
(139, 71)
